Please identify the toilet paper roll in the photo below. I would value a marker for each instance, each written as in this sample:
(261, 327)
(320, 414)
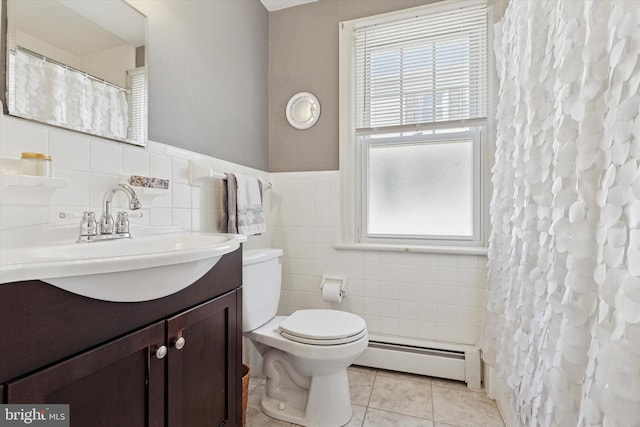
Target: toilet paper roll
(331, 292)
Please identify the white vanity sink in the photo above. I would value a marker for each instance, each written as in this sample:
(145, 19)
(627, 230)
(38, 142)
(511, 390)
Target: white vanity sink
(153, 264)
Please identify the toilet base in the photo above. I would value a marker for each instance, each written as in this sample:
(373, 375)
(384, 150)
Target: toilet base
(316, 401)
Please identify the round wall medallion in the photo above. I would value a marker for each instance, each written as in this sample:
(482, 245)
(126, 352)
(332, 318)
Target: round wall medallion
(303, 110)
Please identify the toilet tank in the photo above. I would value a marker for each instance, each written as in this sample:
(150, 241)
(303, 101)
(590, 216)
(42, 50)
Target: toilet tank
(261, 280)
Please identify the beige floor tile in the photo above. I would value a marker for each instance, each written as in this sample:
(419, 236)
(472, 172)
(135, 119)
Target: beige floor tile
(464, 408)
(405, 376)
(456, 385)
(255, 416)
(255, 382)
(401, 396)
(378, 418)
(398, 399)
(358, 416)
(362, 369)
(360, 385)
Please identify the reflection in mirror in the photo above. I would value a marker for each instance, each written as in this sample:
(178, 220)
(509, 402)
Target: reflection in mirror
(78, 64)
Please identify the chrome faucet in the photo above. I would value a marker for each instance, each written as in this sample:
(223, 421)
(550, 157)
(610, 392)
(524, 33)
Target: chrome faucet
(106, 225)
(106, 228)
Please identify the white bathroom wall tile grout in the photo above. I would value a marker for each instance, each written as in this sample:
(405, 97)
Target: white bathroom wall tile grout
(304, 220)
(68, 150)
(181, 218)
(427, 312)
(144, 220)
(396, 293)
(198, 197)
(100, 182)
(160, 217)
(180, 171)
(18, 216)
(92, 165)
(77, 193)
(198, 220)
(181, 196)
(160, 166)
(135, 161)
(105, 157)
(18, 135)
(178, 153)
(155, 147)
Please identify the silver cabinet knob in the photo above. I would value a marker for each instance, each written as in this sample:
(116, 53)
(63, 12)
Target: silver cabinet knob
(180, 343)
(161, 352)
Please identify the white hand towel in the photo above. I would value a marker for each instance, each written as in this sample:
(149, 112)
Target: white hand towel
(249, 206)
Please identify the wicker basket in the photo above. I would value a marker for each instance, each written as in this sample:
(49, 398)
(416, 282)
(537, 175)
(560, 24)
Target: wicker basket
(245, 392)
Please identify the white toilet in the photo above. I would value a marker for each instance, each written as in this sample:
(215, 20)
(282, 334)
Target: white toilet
(306, 354)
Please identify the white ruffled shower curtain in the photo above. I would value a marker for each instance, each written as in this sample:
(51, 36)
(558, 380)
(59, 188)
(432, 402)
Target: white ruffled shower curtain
(52, 93)
(562, 327)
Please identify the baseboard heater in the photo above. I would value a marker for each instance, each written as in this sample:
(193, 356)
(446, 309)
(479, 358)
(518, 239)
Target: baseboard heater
(443, 360)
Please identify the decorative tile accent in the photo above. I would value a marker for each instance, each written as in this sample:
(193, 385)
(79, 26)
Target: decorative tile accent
(148, 182)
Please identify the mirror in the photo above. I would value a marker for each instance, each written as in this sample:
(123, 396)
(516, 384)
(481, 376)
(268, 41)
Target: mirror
(77, 64)
(303, 110)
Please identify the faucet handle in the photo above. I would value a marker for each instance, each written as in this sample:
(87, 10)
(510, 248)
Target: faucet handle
(88, 225)
(106, 224)
(122, 223)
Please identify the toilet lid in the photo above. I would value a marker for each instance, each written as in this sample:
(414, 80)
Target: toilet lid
(323, 327)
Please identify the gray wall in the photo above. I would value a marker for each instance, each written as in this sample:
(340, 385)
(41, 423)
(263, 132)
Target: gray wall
(208, 84)
(303, 56)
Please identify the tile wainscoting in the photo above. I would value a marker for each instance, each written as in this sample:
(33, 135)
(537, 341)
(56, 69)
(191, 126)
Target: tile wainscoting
(91, 165)
(421, 296)
(413, 295)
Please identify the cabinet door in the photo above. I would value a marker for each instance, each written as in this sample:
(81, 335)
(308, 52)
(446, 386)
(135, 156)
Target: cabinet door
(120, 383)
(203, 382)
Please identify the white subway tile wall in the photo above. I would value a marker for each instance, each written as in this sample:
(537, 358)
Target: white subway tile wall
(424, 296)
(410, 295)
(92, 165)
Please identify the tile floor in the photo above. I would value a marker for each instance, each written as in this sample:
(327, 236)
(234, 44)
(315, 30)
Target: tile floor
(384, 398)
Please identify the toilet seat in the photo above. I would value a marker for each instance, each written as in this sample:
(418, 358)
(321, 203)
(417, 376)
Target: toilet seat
(323, 327)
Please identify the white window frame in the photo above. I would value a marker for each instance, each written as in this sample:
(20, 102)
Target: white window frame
(351, 164)
(138, 83)
(475, 135)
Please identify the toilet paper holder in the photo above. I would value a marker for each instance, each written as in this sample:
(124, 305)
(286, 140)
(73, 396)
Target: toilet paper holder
(338, 280)
(332, 283)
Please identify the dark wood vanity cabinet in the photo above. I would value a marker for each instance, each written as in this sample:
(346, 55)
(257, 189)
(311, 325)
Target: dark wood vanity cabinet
(106, 386)
(106, 359)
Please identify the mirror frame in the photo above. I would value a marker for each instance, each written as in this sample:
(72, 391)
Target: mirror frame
(4, 84)
(4, 50)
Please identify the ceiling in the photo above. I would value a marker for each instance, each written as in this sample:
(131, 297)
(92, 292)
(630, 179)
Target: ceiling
(89, 27)
(272, 5)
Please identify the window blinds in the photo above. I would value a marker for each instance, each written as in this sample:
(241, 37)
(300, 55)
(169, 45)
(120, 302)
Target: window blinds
(424, 69)
(138, 105)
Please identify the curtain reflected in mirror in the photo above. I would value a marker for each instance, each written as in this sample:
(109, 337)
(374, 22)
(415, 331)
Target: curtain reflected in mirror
(91, 78)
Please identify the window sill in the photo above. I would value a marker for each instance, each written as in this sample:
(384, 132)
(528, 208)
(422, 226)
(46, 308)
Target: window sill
(426, 249)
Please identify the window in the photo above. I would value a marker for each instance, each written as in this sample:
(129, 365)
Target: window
(138, 104)
(413, 124)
